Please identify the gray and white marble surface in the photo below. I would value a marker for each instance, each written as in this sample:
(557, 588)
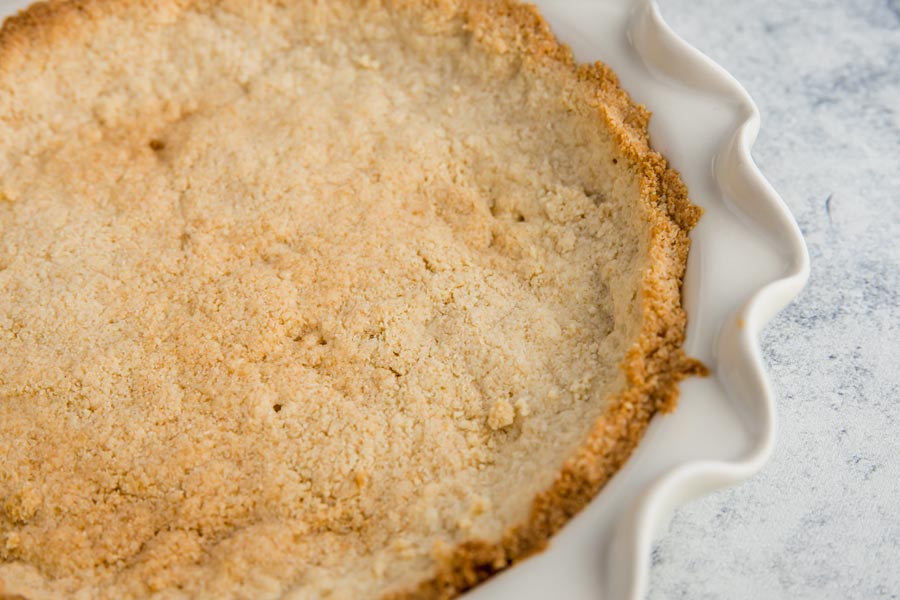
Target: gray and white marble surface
(822, 520)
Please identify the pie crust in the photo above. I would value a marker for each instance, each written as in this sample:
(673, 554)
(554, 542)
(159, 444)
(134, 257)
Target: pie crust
(359, 298)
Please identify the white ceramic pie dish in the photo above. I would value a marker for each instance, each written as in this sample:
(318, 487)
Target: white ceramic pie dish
(748, 260)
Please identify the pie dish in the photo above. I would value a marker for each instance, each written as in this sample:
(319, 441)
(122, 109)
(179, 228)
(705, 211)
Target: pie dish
(466, 562)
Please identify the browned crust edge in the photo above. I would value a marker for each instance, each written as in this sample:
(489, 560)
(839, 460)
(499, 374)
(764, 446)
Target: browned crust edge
(652, 367)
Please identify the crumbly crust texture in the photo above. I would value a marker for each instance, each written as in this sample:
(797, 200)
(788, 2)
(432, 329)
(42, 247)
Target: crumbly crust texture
(304, 299)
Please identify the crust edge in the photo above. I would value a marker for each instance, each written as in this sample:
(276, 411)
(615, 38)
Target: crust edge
(653, 367)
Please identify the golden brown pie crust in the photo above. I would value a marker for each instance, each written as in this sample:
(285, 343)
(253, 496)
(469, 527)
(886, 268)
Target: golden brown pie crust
(652, 367)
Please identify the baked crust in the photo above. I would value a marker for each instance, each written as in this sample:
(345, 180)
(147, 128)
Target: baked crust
(652, 367)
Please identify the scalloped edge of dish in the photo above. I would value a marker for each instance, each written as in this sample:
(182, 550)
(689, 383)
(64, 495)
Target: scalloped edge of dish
(739, 177)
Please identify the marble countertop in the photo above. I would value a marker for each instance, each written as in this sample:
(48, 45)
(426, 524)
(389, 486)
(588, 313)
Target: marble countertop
(822, 520)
